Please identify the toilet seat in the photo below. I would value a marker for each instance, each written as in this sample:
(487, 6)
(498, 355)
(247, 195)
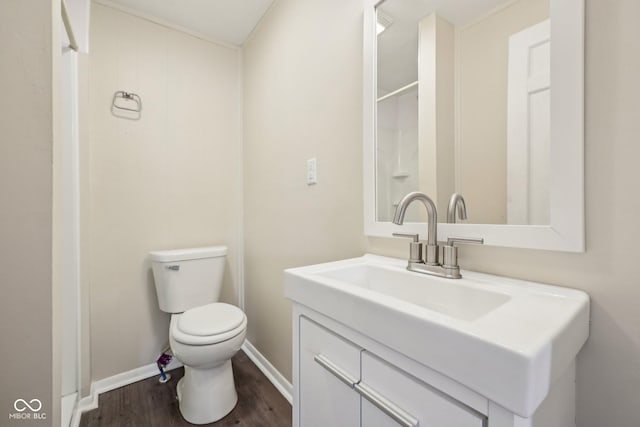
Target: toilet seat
(208, 324)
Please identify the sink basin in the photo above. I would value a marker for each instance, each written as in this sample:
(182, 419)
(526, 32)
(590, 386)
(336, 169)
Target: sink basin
(453, 298)
(506, 339)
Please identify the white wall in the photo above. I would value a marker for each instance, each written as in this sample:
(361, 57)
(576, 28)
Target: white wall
(168, 180)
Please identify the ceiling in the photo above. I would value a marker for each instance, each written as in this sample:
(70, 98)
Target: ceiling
(457, 12)
(228, 21)
(398, 45)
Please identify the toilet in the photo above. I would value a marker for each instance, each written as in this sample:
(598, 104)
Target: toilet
(204, 334)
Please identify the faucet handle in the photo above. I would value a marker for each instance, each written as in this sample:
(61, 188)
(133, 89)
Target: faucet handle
(473, 240)
(415, 237)
(415, 247)
(450, 252)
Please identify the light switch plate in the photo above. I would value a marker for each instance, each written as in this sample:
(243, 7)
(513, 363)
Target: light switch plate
(312, 171)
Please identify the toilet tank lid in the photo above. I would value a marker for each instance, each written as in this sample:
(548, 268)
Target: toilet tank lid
(187, 254)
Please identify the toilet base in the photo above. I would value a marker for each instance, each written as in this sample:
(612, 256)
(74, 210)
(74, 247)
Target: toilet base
(207, 395)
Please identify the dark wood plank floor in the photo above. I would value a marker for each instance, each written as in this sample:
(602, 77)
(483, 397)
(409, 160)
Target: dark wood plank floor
(149, 403)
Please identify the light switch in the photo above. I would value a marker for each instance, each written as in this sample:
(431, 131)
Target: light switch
(312, 171)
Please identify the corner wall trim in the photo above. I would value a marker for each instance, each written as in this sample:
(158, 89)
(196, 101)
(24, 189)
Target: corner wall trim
(277, 379)
(104, 385)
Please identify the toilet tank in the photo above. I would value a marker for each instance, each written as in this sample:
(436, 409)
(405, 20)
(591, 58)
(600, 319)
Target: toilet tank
(187, 278)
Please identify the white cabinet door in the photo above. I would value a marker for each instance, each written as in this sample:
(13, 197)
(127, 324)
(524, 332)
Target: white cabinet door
(327, 363)
(392, 397)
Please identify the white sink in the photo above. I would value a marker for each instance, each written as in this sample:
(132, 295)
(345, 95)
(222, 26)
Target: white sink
(453, 298)
(506, 339)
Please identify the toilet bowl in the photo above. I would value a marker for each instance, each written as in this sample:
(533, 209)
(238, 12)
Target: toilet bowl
(204, 339)
(204, 334)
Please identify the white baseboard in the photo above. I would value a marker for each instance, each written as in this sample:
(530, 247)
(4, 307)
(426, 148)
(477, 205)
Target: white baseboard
(277, 379)
(104, 385)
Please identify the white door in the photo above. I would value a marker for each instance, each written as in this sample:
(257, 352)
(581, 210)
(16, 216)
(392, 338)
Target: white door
(528, 133)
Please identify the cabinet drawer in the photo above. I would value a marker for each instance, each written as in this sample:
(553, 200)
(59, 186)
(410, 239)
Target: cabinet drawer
(410, 396)
(327, 363)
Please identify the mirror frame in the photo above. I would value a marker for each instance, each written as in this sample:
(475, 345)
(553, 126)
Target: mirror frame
(566, 229)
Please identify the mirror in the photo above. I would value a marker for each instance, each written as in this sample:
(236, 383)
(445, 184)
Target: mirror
(458, 99)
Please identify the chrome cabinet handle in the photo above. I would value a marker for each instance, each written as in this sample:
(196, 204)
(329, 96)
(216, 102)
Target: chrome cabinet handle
(335, 370)
(398, 414)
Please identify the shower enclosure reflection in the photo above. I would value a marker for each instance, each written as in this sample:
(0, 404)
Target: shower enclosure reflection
(463, 106)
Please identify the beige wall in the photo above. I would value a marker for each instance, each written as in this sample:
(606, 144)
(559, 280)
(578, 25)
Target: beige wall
(169, 180)
(291, 60)
(26, 153)
(302, 99)
(482, 53)
(436, 110)
(608, 377)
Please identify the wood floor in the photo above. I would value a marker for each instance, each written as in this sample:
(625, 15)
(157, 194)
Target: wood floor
(149, 403)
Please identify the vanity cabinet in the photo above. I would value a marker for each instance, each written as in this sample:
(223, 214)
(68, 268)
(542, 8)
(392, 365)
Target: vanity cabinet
(377, 345)
(342, 378)
(341, 383)
(324, 398)
(423, 404)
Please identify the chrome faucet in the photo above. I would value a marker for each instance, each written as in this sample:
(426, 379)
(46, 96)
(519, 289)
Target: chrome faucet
(449, 267)
(456, 203)
(432, 219)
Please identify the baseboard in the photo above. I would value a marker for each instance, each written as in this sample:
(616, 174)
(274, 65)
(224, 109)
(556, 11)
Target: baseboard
(104, 385)
(277, 379)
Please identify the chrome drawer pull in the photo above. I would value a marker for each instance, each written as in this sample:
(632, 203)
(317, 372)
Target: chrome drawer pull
(335, 370)
(385, 405)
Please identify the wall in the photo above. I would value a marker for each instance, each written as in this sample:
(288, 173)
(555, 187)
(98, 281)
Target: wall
(436, 110)
(481, 123)
(608, 375)
(26, 178)
(169, 180)
(302, 99)
(288, 224)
